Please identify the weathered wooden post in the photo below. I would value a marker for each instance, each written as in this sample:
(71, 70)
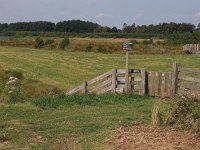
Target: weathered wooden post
(144, 82)
(85, 87)
(127, 47)
(174, 79)
(114, 77)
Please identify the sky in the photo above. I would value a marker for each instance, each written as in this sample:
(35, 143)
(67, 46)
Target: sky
(104, 12)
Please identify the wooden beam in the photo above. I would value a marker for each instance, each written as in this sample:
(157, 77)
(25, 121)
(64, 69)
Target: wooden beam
(107, 89)
(114, 77)
(160, 84)
(100, 85)
(192, 79)
(174, 79)
(107, 74)
(189, 70)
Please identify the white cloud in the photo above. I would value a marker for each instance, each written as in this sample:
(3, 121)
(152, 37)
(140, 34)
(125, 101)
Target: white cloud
(100, 15)
(197, 15)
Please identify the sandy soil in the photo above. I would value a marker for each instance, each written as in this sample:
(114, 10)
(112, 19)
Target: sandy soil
(137, 136)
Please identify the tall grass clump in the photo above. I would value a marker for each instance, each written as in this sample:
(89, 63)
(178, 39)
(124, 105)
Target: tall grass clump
(177, 112)
(60, 100)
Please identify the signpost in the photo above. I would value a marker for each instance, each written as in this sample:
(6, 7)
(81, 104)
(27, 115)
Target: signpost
(127, 47)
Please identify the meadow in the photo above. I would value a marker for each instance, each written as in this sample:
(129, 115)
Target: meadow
(77, 121)
(67, 69)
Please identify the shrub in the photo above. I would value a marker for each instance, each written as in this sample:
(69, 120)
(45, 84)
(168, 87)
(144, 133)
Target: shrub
(39, 42)
(64, 42)
(49, 41)
(88, 47)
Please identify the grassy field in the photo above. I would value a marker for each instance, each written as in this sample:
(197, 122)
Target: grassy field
(77, 122)
(82, 124)
(67, 69)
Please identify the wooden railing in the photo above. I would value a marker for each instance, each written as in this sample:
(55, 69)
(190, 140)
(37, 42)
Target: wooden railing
(160, 84)
(111, 81)
(190, 78)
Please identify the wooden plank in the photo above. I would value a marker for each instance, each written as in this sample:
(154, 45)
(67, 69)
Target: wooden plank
(153, 84)
(119, 90)
(137, 79)
(144, 87)
(190, 86)
(114, 75)
(132, 79)
(137, 87)
(76, 89)
(121, 80)
(174, 79)
(166, 83)
(100, 85)
(121, 86)
(159, 84)
(170, 84)
(107, 74)
(121, 71)
(107, 89)
(192, 79)
(189, 70)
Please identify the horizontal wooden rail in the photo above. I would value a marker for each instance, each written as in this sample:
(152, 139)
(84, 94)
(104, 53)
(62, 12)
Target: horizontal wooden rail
(190, 86)
(107, 74)
(100, 85)
(107, 89)
(76, 89)
(189, 70)
(192, 79)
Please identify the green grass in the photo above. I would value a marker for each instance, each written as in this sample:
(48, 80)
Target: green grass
(84, 123)
(68, 69)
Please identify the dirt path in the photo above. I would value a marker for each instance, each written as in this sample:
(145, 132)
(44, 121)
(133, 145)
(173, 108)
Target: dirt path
(136, 136)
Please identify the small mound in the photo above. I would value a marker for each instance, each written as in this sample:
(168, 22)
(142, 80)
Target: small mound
(137, 136)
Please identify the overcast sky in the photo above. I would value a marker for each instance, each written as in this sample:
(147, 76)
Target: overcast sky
(104, 12)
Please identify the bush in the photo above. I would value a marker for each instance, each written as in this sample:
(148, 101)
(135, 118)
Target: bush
(49, 41)
(64, 42)
(39, 42)
(88, 47)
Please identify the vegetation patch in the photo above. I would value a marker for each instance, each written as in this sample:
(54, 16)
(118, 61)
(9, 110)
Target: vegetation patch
(87, 99)
(180, 113)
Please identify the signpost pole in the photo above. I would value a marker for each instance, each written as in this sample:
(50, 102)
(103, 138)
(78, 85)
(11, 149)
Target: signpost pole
(127, 47)
(127, 73)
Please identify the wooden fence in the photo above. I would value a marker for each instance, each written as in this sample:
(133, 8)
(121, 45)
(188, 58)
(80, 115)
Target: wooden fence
(111, 81)
(160, 84)
(189, 78)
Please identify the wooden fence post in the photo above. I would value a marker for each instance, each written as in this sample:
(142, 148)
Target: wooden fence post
(144, 82)
(114, 77)
(174, 79)
(85, 87)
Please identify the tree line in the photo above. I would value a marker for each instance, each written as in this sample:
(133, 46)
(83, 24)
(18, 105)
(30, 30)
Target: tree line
(162, 28)
(78, 26)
